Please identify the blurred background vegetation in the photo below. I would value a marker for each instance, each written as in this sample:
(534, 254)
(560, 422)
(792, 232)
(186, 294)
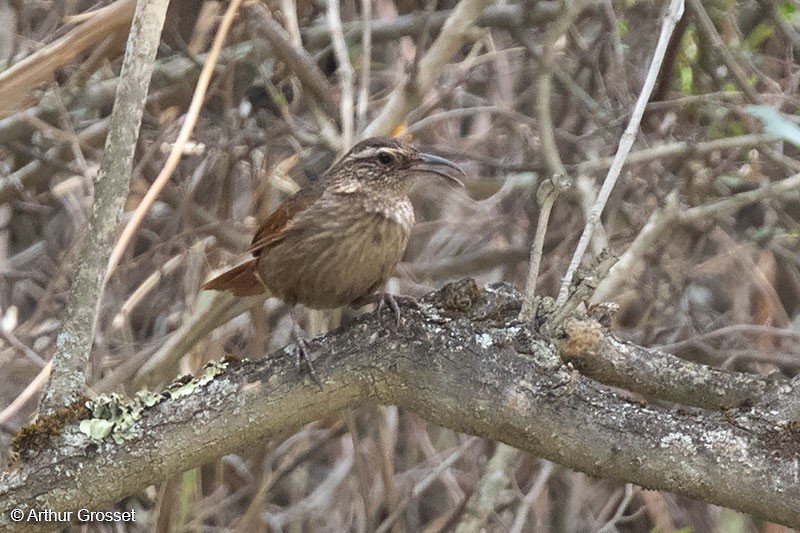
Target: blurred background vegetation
(722, 289)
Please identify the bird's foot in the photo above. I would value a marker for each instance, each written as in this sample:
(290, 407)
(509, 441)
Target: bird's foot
(303, 353)
(386, 299)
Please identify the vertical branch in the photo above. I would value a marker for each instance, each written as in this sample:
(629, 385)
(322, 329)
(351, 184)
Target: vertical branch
(345, 71)
(289, 12)
(548, 191)
(546, 195)
(673, 15)
(74, 343)
(544, 85)
(366, 64)
(489, 491)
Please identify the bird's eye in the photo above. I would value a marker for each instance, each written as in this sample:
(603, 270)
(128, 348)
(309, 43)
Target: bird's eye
(385, 158)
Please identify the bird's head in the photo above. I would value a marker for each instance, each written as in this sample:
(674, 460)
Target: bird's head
(391, 164)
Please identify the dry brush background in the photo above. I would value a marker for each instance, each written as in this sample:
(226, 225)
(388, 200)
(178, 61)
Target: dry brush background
(711, 282)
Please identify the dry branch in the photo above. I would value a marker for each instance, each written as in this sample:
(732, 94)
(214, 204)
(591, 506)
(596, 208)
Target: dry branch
(407, 95)
(475, 368)
(498, 16)
(17, 82)
(459, 359)
(673, 15)
(67, 380)
(297, 59)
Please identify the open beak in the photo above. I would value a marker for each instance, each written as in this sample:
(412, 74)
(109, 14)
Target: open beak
(439, 166)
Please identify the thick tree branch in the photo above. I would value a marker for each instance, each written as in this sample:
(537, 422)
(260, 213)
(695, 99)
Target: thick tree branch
(460, 359)
(67, 380)
(658, 375)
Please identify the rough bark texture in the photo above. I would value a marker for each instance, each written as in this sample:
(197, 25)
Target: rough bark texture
(74, 343)
(459, 359)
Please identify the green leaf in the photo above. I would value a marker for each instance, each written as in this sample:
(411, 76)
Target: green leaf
(787, 11)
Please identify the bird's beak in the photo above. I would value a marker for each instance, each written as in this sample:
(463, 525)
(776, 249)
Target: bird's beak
(439, 166)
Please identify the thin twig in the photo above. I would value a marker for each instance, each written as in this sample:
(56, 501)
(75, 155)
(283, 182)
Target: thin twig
(74, 343)
(732, 203)
(726, 331)
(387, 442)
(679, 149)
(665, 218)
(362, 467)
(547, 194)
(572, 86)
(297, 59)
(544, 85)
(545, 472)
(152, 281)
(621, 272)
(220, 308)
(450, 114)
(619, 515)
(289, 12)
(706, 26)
(674, 13)
(511, 16)
(37, 172)
(23, 397)
(423, 485)
(12, 339)
(183, 136)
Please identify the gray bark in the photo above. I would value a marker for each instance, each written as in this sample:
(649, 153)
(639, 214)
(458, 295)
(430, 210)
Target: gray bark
(462, 360)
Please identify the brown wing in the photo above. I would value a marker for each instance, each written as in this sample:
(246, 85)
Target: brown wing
(244, 279)
(273, 229)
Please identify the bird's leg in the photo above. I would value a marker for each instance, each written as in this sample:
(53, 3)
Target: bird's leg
(387, 298)
(303, 355)
(300, 339)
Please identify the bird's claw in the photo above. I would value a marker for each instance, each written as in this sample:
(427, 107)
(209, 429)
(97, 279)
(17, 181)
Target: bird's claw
(390, 300)
(385, 299)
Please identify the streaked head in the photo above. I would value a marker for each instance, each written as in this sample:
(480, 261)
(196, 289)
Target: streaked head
(392, 161)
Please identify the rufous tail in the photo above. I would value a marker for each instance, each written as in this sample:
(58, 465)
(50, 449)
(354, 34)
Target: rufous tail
(240, 280)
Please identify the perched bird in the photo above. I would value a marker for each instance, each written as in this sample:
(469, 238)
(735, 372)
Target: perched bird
(337, 242)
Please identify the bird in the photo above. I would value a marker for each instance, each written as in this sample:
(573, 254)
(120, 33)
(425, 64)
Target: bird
(336, 242)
